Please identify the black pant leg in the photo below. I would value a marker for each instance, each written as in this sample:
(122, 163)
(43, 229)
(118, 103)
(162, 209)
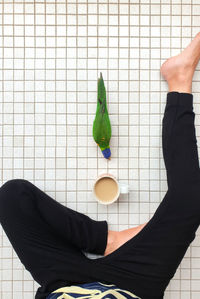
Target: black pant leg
(179, 141)
(47, 236)
(72, 226)
(146, 263)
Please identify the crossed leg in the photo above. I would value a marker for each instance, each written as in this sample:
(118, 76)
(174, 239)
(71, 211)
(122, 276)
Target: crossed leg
(48, 237)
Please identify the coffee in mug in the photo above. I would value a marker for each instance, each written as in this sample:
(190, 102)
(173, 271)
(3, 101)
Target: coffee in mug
(106, 189)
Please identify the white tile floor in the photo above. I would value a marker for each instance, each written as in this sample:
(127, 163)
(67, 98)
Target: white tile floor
(52, 55)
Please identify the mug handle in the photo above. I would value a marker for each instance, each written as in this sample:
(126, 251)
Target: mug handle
(124, 188)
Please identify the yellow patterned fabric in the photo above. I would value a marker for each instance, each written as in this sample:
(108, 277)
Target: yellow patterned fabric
(94, 290)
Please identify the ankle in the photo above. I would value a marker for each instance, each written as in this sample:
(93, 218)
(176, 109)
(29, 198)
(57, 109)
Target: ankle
(177, 74)
(180, 88)
(111, 240)
(181, 81)
(111, 236)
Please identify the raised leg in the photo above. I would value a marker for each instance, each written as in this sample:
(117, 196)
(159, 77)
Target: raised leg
(146, 263)
(178, 129)
(179, 141)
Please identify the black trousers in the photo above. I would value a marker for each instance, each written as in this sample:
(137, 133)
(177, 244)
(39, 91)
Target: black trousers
(50, 238)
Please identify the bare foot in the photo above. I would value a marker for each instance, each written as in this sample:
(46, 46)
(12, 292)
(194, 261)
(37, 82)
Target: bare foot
(116, 239)
(178, 70)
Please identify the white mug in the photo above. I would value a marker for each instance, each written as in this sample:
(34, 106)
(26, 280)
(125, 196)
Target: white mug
(122, 188)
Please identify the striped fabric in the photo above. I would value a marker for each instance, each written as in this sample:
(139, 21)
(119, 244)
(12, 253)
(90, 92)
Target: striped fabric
(94, 290)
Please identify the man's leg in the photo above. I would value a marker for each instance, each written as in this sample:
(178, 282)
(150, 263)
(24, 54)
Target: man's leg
(71, 226)
(49, 237)
(178, 71)
(146, 263)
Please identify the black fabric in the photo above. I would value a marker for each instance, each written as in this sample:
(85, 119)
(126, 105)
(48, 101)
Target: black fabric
(49, 237)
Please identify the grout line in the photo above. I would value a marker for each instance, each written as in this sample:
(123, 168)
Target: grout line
(139, 124)
(13, 130)
(82, 3)
(87, 126)
(129, 66)
(149, 119)
(24, 111)
(55, 149)
(77, 160)
(66, 111)
(2, 135)
(118, 110)
(45, 99)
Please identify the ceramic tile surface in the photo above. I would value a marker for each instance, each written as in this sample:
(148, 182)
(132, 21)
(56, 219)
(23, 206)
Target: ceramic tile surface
(51, 56)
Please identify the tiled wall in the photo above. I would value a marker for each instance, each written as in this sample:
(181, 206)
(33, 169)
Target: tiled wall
(52, 54)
